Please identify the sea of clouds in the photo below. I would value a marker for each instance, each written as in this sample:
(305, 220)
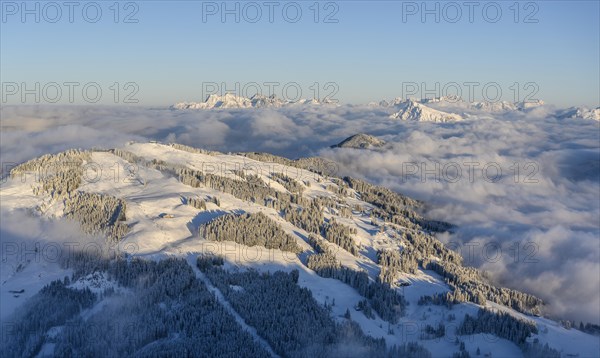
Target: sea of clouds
(535, 228)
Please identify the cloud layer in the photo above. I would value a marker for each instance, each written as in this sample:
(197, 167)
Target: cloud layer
(523, 188)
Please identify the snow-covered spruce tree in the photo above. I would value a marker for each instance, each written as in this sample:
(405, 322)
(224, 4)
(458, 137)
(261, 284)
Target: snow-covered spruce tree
(508, 327)
(128, 156)
(365, 308)
(334, 204)
(590, 328)
(319, 245)
(440, 299)
(98, 214)
(197, 203)
(424, 246)
(499, 324)
(289, 183)
(462, 353)
(344, 211)
(207, 261)
(409, 350)
(189, 149)
(250, 230)
(393, 262)
(341, 235)
(324, 264)
(309, 217)
(537, 350)
(430, 332)
(342, 187)
(249, 176)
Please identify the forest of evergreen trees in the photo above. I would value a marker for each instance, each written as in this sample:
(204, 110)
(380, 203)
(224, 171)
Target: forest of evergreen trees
(54, 305)
(250, 230)
(382, 298)
(187, 148)
(60, 175)
(56, 174)
(467, 285)
(410, 350)
(290, 184)
(98, 214)
(508, 327)
(168, 313)
(317, 165)
(308, 217)
(395, 208)
(500, 324)
(341, 235)
(393, 262)
(289, 318)
(164, 311)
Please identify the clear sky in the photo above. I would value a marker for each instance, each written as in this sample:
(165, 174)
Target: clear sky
(369, 50)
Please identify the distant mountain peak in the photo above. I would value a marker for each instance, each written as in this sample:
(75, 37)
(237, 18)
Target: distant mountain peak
(360, 141)
(415, 111)
(523, 105)
(498, 106)
(449, 99)
(579, 113)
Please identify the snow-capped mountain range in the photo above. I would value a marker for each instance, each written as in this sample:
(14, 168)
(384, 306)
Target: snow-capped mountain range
(437, 110)
(231, 101)
(579, 112)
(450, 109)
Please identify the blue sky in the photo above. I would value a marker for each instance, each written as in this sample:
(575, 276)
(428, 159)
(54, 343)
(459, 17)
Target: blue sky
(375, 50)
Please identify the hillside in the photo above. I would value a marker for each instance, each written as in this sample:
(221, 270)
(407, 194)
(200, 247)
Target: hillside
(360, 141)
(251, 254)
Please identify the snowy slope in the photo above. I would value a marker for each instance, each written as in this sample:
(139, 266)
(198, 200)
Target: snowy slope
(162, 224)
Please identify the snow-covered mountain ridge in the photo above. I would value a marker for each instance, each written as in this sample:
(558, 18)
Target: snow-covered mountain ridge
(436, 110)
(366, 254)
(232, 101)
(414, 111)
